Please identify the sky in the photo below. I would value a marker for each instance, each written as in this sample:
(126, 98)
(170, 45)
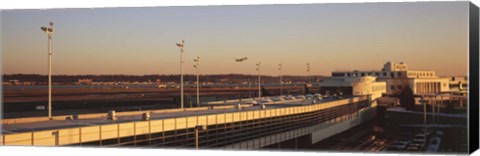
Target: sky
(137, 41)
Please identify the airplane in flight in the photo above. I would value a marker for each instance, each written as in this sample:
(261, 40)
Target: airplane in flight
(241, 59)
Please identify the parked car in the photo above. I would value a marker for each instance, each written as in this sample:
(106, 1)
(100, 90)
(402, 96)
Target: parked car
(426, 131)
(248, 102)
(265, 101)
(289, 97)
(418, 143)
(300, 97)
(276, 99)
(439, 133)
(420, 137)
(434, 144)
(404, 140)
(413, 148)
(399, 146)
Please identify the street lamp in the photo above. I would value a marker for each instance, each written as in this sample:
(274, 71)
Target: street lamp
(434, 102)
(181, 45)
(424, 102)
(308, 71)
(259, 82)
(280, 67)
(197, 60)
(49, 31)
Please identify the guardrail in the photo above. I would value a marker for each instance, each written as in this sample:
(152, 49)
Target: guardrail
(80, 135)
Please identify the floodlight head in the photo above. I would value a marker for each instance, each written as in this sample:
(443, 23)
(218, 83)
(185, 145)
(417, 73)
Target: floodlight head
(44, 29)
(51, 23)
(180, 45)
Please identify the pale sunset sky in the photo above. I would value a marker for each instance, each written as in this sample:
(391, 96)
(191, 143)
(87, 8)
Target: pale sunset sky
(137, 41)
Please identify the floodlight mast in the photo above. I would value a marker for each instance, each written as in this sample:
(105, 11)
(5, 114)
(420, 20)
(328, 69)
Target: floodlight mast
(197, 60)
(424, 103)
(308, 71)
(259, 82)
(248, 81)
(49, 31)
(280, 67)
(181, 45)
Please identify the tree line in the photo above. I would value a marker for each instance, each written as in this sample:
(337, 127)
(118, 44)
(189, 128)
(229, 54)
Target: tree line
(231, 78)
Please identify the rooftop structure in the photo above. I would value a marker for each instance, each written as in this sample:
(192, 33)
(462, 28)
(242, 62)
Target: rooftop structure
(398, 76)
(356, 86)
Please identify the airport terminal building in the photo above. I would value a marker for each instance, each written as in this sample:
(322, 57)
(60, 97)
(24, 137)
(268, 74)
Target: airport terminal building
(397, 76)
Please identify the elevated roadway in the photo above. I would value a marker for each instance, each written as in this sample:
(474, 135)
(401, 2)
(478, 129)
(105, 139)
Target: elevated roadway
(227, 126)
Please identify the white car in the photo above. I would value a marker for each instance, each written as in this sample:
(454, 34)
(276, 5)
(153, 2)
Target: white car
(413, 148)
(300, 97)
(309, 96)
(249, 102)
(318, 96)
(426, 131)
(289, 97)
(265, 101)
(420, 137)
(418, 143)
(403, 140)
(276, 99)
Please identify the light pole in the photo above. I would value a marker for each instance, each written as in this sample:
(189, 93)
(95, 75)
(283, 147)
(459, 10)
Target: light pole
(259, 82)
(280, 67)
(248, 81)
(308, 71)
(438, 106)
(49, 31)
(197, 60)
(424, 102)
(181, 45)
(434, 102)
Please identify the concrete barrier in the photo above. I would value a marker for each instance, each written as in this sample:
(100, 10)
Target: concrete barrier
(97, 115)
